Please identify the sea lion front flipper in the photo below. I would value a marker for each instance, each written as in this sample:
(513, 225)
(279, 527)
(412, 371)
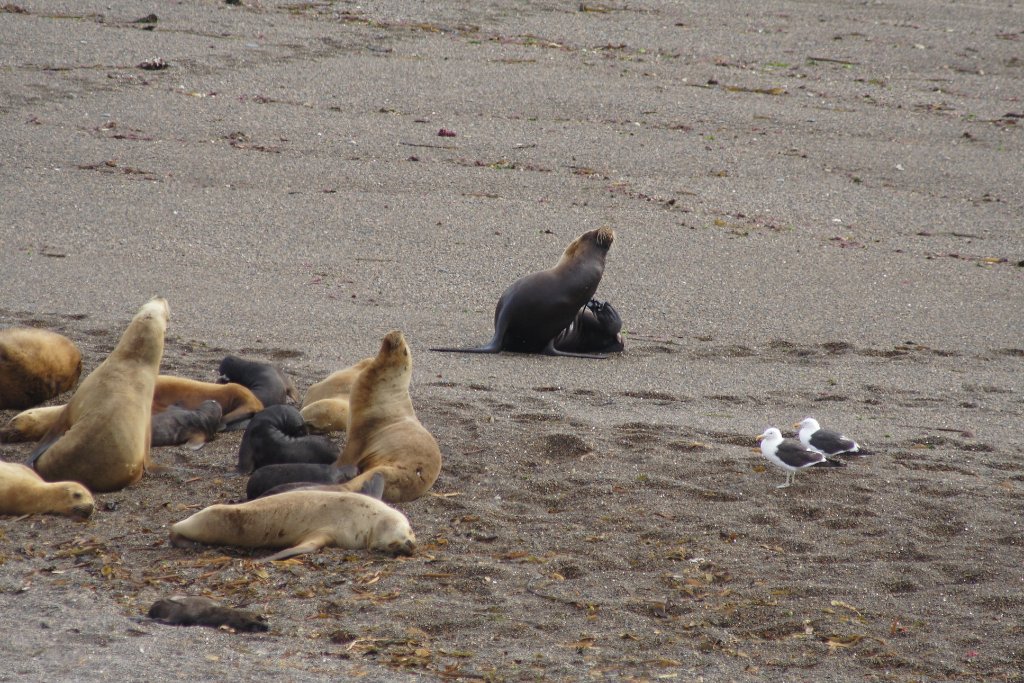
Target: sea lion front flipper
(550, 350)
(196, 441)
(60, 425)
(311, 544)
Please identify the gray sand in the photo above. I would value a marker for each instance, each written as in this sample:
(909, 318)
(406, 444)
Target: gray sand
(818, 210)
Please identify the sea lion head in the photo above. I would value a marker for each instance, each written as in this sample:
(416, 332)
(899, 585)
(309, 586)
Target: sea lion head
(394, 351)
(601, 238)
(156, 308)
(77, 501)
(393, 535)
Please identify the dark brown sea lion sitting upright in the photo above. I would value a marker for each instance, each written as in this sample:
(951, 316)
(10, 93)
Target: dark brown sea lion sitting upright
(35, 366)
(267, 381)
(537, 307)
(595, 329)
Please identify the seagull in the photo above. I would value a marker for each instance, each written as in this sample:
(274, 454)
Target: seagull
(790, 455)
(823, 441)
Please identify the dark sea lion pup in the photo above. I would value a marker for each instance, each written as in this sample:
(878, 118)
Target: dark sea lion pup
(194, 610)
(177, 425)
(278, 435)
(537, 307)
(270, 477)
(267, 381)
(595, 330)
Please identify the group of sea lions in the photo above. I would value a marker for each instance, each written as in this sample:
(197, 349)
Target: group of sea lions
(304, 491)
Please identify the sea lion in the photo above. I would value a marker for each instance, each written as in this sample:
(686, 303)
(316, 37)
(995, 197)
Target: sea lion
(384, 435)
(534, 309)
(595, 329)
(301, 522)
(269, 477)
(23, 492)
(194, 610)
(267, 381)
(237, 403)
(35, 366)
(278, 435)
(177, 425)
(102, 436)
(31, 424)
(325, 407)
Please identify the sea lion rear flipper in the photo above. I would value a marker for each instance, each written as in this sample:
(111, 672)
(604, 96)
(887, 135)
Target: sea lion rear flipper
(492, 347)
(373, 487)
(310, 544)
(550, 350)
(52, 436)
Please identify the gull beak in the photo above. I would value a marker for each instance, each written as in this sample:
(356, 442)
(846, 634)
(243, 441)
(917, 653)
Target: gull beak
(796, 425)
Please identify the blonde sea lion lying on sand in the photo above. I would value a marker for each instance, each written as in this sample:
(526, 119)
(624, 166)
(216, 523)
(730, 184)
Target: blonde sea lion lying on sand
(23, 492)
(301, 522)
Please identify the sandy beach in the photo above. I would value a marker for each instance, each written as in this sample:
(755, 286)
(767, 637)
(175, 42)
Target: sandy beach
(818, 211)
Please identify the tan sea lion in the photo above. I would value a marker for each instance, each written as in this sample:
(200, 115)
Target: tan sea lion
(325, 407)
(237, 403)
(31, 424)
(23, 492)
(534, 309)
(102, 437)
(301, 522)
(384, 435)
(35, 366)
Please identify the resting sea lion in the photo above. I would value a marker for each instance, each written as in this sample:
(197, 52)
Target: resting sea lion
(267, 381)
(278, 435)
(194, 610)
(384, 435)
(35, 366)
(101, 438)
(537, 307)
(326, 407)
(270, 477)
(301, 522)
(237, 403)
(594, 330)
(178, 425)
(31, 424)
(23, 492)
